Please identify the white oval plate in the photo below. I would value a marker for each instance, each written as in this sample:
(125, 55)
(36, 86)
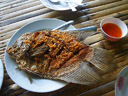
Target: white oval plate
(121, 85)
(1, 73)
(19, 77)
(59, 6)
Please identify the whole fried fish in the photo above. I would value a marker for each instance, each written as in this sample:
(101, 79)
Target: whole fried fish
(61, 55)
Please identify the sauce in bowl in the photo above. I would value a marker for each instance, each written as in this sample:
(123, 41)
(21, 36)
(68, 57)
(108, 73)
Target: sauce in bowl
(112, 30)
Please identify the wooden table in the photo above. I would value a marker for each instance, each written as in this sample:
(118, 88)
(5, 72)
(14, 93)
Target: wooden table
(15, 13)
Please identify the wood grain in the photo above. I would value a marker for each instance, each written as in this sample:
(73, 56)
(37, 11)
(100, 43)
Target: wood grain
(111, 93)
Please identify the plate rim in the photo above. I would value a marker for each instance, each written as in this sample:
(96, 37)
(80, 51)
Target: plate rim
(5, 54)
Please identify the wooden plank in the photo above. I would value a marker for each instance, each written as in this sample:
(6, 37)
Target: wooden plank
(7, 82)
(23, 22)
(24, 16)
(20, 12)
(10, 3)
(3, 43)
(11, 90)
(98, 91)
(15, 5)
(101, 7)
(123, 47)
(98, 3)
(102, 13)
(6, 76)
(96, 21)
(5, 35)
(17, 93)
(111, 93)
(126, 21)
(28, 93)
(124, 18)
(21, 7)
(2, 49)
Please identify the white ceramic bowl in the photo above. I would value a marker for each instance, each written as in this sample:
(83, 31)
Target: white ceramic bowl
(20, 77)
(60, 6)
(1, 73)
(121, 85)
(119, 23)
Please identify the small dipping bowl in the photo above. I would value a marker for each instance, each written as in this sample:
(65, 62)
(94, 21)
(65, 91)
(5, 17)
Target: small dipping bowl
(121, 84)
(117, 22)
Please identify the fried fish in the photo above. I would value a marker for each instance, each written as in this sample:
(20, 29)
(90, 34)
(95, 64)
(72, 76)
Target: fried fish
(61, 55)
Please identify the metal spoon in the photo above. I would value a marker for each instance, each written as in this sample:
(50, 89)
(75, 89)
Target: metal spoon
(64, 25)
(90, 28)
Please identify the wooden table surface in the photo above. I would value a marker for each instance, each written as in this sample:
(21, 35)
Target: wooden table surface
(15, 13)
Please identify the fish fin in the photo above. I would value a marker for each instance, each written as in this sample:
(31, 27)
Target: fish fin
(84, 74)
(29, 77)
(27, 73)
(102, 59)
(81, 35)
(18, 68)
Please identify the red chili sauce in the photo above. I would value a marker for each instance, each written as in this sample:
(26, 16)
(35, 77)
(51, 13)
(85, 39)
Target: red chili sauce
(112, 30)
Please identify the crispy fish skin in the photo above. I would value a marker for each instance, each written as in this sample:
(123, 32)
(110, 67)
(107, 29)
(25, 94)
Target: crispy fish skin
(60, 55)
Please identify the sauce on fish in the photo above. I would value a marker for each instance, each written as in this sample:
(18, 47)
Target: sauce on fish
(112, 30)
